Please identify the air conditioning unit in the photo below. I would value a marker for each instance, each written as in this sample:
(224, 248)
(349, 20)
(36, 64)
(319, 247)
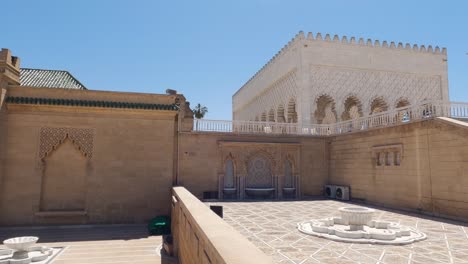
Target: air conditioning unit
(330, 191)
(342, 193)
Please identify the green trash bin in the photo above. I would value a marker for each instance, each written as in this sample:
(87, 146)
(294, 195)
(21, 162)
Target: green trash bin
(160, 225)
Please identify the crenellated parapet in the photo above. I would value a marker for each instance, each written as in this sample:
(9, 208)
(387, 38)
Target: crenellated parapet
(375, 43)
(299, 36)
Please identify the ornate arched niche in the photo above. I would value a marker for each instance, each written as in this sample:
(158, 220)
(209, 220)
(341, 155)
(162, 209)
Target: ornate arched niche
(353, 108)
(292, 111)
(64, 155)
(260, 170)
(52, 137)
(403, 114)
(325, 112)
(229, 172)
(288, 174)
(378, 105)
(280, 114)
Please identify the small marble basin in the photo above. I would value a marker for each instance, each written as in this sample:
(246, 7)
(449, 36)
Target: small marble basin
(259, 192)
(289, 190)
(356, 216)
(20, 243)
(229, 191)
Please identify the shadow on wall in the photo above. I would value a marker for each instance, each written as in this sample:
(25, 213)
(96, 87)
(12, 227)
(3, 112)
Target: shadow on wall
(77, 233)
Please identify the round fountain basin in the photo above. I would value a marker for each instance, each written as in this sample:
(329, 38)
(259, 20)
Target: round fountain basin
(20, 243)
(356, 216)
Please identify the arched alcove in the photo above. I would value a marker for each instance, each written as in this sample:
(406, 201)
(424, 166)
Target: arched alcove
(403, 114)
(378, 105)
(292, 112)
(325, 112)
(288, 174)
(280, 114)
(271, 115)
(353, 108)
(229, 174)
(402, 103)
(64, 179)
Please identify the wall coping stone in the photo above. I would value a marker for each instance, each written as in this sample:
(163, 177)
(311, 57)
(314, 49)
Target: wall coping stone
(231, 246)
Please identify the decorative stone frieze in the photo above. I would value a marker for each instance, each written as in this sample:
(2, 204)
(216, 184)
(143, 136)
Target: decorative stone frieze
(387, 155)
(247, 169)
(52, 137)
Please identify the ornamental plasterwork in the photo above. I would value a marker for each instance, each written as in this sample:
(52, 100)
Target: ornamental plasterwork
(367, 85)
(340, 83)
(241, 154)
(52, 137)
(280, 93)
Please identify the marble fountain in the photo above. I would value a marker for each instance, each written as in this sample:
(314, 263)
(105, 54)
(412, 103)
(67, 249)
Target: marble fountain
(23, 250)
(357, 226)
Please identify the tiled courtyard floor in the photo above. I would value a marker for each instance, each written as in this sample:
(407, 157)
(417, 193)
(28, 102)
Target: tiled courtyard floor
(96, 244)
(271, 226)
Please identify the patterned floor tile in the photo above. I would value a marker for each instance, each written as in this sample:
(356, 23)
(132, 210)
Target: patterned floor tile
(272, 226)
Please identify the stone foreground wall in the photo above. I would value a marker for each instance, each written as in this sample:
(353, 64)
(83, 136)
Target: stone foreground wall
(432, 172)
(200, 236)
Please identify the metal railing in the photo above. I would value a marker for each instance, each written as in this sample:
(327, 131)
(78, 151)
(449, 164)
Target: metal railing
(425, 110)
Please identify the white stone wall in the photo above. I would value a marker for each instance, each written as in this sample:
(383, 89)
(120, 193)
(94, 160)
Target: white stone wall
(310, 67)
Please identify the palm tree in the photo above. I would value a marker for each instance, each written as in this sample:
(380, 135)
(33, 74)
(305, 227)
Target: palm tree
(199, 112)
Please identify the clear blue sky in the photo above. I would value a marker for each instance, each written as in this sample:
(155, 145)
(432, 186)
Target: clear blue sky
(209, 49)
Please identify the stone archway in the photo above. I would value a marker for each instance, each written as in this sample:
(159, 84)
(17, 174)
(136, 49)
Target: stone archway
(403, 114)
(292, 112)
(229, 174)
(402, 102)
(378, 105)
(271, 115)
(288, 174)
(280, 114)
(353, 108)
(325, 112)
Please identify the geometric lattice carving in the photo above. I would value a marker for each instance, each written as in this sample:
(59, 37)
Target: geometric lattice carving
(274, 98)
(259, 172)
(366, 85)
(52, 137)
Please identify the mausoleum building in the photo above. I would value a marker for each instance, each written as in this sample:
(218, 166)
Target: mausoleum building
(317, 79)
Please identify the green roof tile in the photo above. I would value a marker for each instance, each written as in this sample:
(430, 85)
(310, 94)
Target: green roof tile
(89, 103)
(49, 79)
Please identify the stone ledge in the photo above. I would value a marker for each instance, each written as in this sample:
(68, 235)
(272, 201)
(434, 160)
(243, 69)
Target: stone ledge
(60, 213)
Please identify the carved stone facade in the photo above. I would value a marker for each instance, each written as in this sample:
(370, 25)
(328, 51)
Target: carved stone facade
(259, 170)
(52, 137)
(315, 80)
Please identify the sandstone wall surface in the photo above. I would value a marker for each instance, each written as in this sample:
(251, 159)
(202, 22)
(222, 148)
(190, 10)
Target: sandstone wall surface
(127, 160)
(431, 176)
(200, 160)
